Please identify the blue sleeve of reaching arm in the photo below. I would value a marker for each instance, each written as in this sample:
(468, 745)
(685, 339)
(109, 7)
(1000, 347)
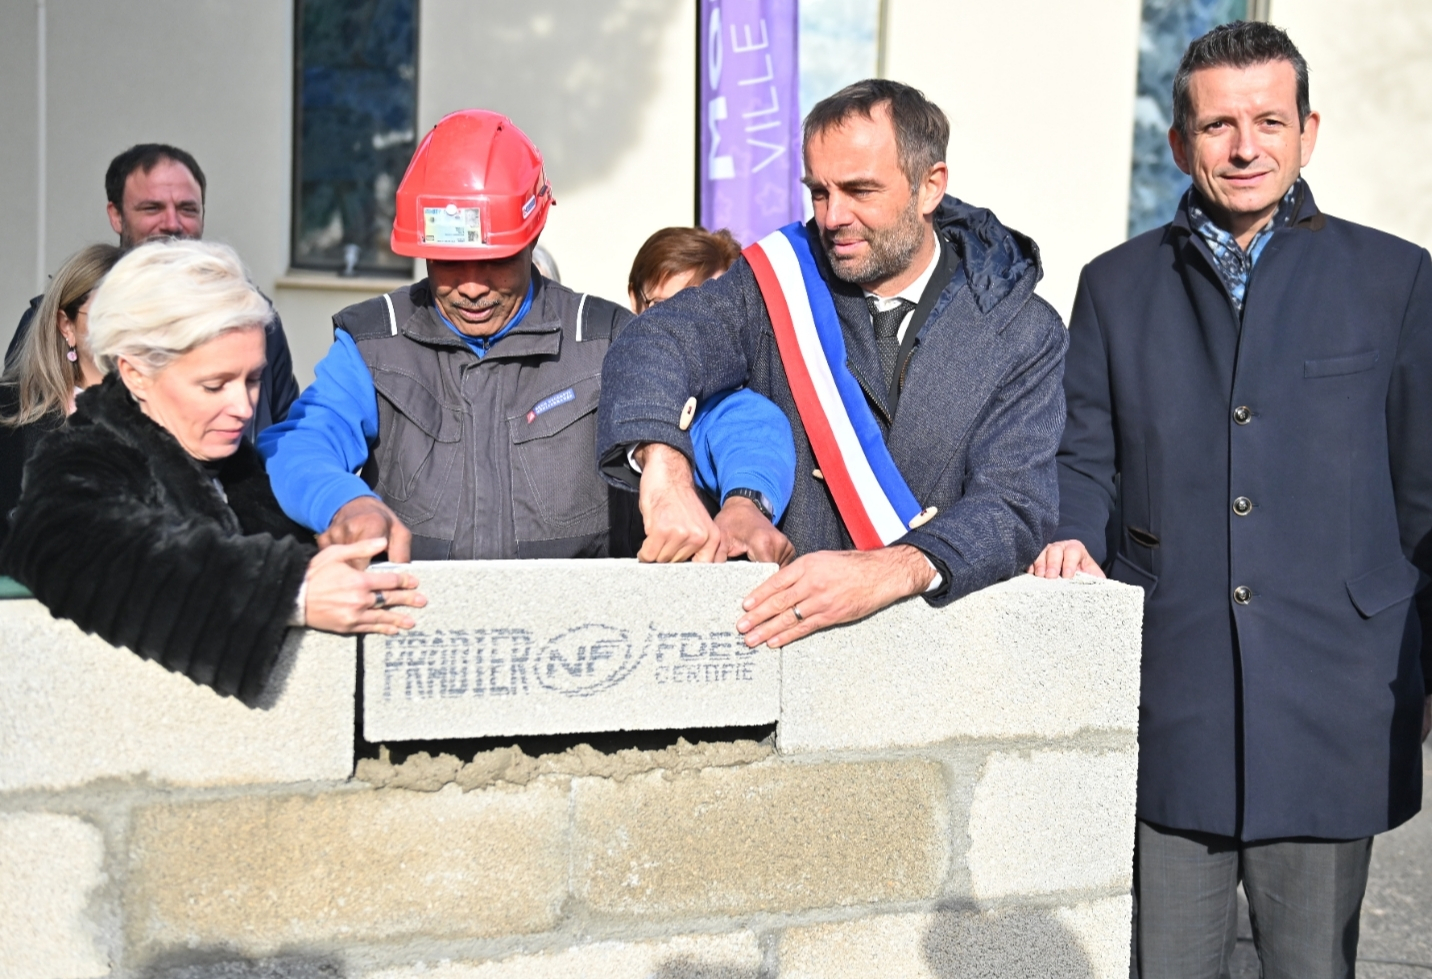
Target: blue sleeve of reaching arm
(741, 439)
(312, 456)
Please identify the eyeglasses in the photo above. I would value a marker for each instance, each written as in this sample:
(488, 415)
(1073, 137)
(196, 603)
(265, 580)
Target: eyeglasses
(646, 302)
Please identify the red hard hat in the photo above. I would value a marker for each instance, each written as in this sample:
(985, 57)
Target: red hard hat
(475, 189)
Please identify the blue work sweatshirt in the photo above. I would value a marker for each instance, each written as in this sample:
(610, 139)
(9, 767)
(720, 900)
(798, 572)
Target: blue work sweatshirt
(739, 438)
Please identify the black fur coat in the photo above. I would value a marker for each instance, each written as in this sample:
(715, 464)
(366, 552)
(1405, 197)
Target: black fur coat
(123, 532)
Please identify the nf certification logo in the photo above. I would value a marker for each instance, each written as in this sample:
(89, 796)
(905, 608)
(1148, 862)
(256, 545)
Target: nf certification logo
(586, 660)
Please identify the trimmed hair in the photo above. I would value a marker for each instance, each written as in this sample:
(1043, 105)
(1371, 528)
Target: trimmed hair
(146, 156)
(673, 251)
(167, 297)
(45, 377)
(922, 131)
(1241, 44)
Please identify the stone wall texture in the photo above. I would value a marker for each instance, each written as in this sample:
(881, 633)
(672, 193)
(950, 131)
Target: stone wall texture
(950, 795)
(74, 709)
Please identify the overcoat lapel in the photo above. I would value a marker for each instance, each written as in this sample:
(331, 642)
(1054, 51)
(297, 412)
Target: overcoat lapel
(949, 377)
(1217, 323)
(958, 364)
(1266, 331)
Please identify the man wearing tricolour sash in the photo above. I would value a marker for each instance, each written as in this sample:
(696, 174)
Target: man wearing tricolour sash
(900, 334)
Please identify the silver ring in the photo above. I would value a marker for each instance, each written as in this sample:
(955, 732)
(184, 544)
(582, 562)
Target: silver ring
(378, 600)
(797, 611)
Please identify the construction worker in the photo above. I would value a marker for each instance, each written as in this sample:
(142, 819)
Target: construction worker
(456, 417)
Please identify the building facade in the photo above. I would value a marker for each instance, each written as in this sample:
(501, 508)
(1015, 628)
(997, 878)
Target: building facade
(1042, 108)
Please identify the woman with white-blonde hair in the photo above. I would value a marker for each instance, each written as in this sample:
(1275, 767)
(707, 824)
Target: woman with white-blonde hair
(147, 518)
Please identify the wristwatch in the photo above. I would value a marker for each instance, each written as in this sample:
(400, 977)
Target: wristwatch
(755, 496)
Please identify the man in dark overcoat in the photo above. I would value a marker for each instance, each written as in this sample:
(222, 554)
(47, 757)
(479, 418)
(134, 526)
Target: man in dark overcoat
(1249, 440)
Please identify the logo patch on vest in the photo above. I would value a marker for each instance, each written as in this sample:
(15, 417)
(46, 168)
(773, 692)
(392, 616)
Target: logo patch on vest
(550, 402)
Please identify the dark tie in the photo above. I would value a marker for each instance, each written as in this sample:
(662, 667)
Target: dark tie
(887, 333)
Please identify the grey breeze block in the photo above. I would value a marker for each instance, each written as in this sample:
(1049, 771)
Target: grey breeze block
(73, 709)
(1027, 657)
(562, 646)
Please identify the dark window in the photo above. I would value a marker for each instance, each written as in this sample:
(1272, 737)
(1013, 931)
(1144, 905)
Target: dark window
(355, 113)
(1168, 27)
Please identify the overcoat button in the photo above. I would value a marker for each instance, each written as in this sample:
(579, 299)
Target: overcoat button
(1242, 415)
(1243, 506)
(1243, 594)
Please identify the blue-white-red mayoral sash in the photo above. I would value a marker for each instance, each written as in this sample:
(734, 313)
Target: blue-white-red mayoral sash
(871, 495)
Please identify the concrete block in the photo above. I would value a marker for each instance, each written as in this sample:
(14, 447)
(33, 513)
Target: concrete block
(544, 647)
(1104, 929)
(1047, 821)
(770, 837)
(73, 709)
(49, 866)
(260, 873)
(733, 956)
(1025, 658)
(208, 964)
(1086, 941)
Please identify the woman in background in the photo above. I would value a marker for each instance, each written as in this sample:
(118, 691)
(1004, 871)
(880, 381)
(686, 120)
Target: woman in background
(673, 259)
(737, 426)
(51, 367)
(147, 518)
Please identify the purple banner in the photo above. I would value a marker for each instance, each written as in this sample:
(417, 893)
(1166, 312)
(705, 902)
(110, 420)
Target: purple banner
(750, 117)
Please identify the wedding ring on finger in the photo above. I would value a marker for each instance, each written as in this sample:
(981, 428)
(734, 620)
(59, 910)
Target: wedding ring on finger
(796, 610)
(379, 600)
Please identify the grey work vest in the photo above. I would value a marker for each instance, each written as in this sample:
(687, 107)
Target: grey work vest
(492, 457)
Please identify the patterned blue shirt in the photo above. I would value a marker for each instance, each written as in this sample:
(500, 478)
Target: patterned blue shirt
(1234, 265)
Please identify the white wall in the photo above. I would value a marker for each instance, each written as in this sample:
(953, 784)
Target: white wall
(1370, 68)
(1041, 104)
(213, 78)
(19, 161)
(605, 88)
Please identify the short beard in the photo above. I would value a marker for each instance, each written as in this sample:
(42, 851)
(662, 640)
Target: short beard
(127, 242)
(890, 253)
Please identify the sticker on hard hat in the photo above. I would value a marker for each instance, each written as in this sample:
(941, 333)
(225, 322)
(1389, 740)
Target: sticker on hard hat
(529, 207)
(452, 225)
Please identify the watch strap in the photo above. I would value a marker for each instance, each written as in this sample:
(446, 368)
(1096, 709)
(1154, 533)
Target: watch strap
(755, 496)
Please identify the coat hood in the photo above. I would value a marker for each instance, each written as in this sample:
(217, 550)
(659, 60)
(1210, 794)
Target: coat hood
(997, 260)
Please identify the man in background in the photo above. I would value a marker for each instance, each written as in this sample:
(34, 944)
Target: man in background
(157, 191)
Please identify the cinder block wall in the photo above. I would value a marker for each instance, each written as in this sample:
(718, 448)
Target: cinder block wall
(949, 793)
